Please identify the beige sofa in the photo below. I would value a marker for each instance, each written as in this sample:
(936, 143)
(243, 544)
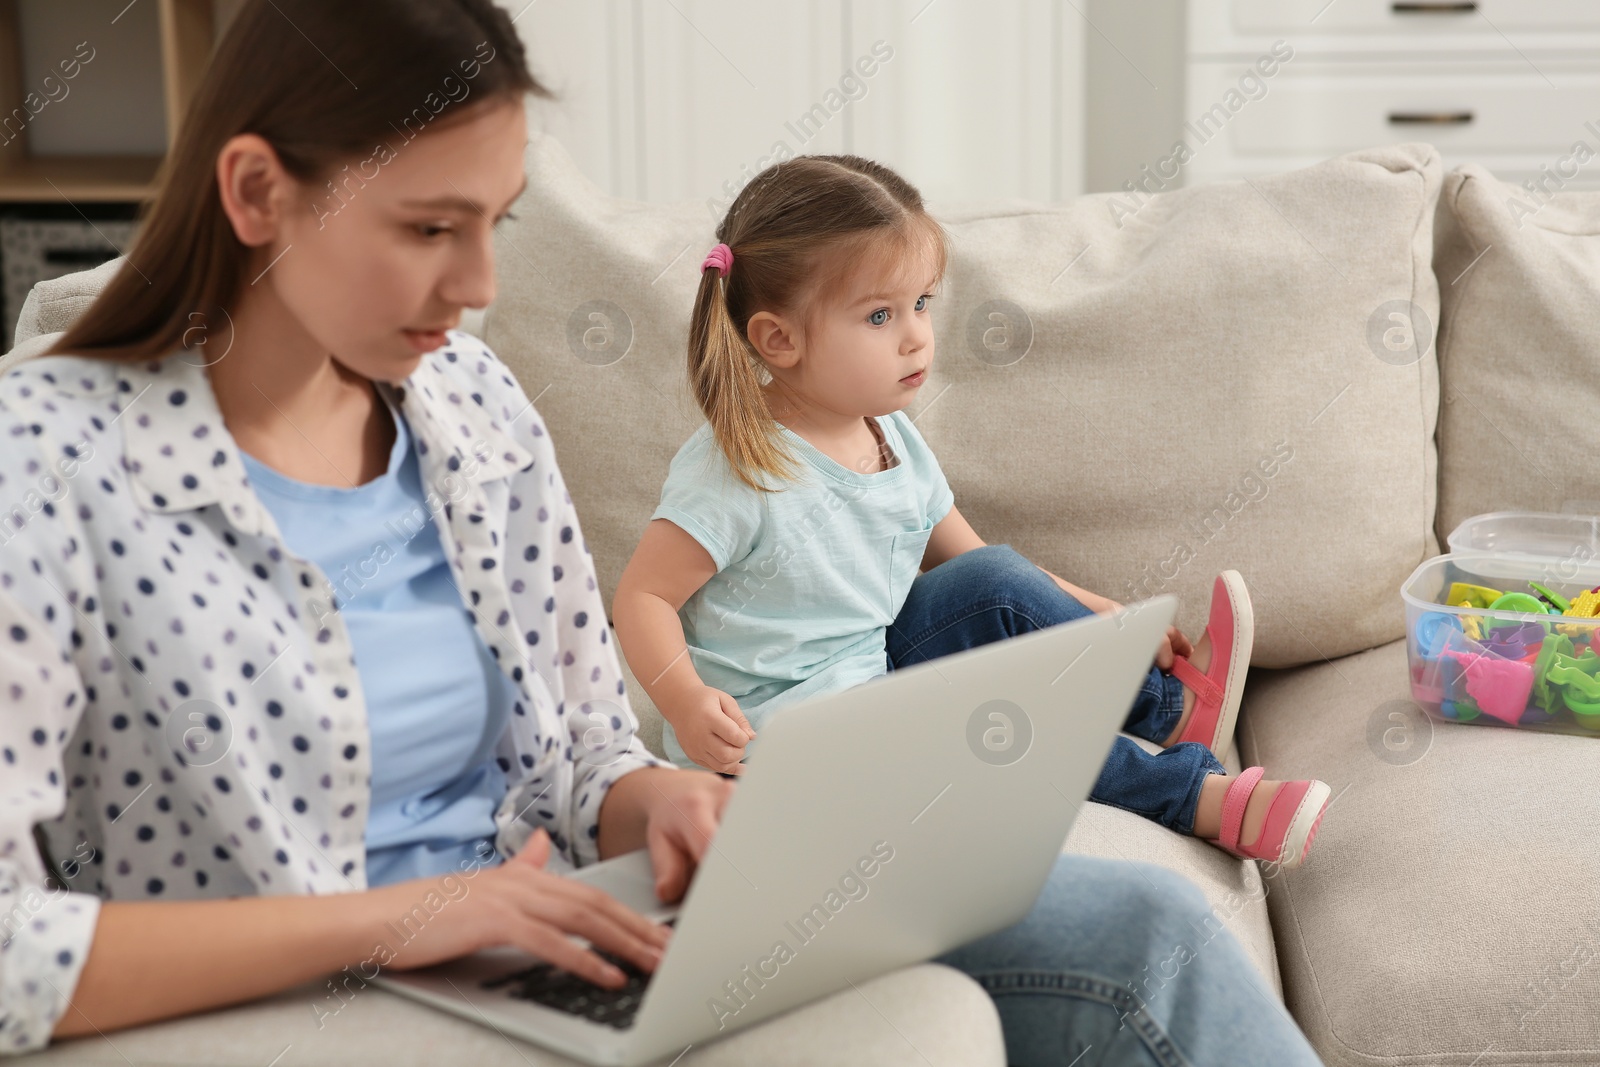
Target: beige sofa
(1136, 392)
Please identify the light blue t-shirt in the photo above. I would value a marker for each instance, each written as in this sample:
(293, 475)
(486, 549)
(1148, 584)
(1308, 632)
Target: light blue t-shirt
(808, 578)
(436, 700)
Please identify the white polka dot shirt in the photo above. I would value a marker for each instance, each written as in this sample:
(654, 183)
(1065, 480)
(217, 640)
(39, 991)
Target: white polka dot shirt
(180, 710)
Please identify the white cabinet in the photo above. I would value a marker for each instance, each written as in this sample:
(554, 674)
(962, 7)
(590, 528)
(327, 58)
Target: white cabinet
(1511, 84)
(688, 100)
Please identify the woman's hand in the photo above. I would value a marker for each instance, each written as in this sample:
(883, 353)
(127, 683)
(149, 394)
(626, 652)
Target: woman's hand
(517, 903)
(712, 730)
(682, 809)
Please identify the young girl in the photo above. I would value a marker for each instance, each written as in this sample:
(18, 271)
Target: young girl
(783, 561)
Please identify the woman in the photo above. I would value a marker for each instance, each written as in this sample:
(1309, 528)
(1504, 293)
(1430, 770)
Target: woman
(299, 625)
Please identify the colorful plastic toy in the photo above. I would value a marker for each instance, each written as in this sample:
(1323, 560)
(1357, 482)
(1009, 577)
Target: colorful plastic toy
(1582, 693)
(1515, 641)
(1525, 603)
(1557, 602)
(1499, 687)
(1546, 696)
(1586, 605)
(1466, 595)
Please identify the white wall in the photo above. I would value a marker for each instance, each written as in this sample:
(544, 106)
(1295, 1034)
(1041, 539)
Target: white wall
(1135, 73)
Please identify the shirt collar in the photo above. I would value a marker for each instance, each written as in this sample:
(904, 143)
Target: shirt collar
(180, 456)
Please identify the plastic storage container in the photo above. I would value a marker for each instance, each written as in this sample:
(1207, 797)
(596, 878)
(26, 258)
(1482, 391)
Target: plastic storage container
(1508, 658)
(1538, 534)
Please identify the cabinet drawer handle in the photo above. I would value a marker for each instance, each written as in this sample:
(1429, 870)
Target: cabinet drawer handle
(1430, 118)
(1440, 7)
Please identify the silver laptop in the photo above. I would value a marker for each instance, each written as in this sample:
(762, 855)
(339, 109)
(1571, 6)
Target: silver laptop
(873, 828)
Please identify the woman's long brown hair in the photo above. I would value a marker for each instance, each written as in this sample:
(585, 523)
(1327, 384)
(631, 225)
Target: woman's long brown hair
(324, 82)
(798, 231)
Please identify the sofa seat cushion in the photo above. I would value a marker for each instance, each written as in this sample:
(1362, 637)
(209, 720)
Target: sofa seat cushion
(887, 1021)
(1449, 911)
(1235, 888)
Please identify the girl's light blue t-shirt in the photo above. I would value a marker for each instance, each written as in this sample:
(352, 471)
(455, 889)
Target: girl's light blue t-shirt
(436, 700)
(808, 578)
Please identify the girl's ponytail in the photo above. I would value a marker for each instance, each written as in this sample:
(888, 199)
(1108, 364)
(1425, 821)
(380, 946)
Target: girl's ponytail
(723, 377)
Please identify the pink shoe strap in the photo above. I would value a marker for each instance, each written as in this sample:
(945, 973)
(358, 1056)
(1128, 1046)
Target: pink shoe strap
(1281, 814)
(1233, 805)
(1190, 675)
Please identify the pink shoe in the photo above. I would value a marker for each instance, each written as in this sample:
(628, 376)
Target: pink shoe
(1291, 824)
(1218, 690)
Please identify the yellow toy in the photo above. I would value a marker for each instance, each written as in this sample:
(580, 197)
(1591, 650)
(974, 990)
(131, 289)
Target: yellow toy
(1464, 595)
(1586, 604)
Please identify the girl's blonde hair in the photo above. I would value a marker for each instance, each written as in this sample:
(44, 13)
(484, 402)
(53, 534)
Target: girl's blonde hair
(798, 232)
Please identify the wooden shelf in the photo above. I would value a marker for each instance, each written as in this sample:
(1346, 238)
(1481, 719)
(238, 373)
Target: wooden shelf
(97, 179)
(187, 30)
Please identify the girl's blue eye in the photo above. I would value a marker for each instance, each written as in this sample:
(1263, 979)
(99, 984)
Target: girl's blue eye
(879, 317)
(922, 302)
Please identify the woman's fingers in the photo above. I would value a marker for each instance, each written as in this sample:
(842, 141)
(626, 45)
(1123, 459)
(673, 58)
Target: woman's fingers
(553, 946)
(591, 913)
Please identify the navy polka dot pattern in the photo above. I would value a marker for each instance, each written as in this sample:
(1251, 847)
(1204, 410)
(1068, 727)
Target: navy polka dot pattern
(182, 715)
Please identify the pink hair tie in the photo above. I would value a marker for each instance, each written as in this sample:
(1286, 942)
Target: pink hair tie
(720, 257)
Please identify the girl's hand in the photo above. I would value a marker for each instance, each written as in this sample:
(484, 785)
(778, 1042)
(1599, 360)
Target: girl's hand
(1173, 644)
(712, 730)
(518, 903)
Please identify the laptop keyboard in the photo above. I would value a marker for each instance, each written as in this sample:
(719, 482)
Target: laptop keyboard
(546, 984)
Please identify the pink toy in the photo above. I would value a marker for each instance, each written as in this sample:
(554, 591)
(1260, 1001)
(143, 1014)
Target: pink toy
(1499, 686)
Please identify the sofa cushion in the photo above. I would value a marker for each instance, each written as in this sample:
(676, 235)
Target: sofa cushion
(53, 304)
(1236, 890)
(1519, 278)
(889, 1020)
(1135, 399)
(1448, 912)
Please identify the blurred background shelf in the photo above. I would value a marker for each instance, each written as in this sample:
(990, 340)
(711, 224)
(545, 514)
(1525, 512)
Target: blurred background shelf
(93, 93)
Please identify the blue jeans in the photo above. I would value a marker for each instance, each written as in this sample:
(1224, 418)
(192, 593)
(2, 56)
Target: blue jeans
(1124, 964)
(991, 593)
(1119, 963)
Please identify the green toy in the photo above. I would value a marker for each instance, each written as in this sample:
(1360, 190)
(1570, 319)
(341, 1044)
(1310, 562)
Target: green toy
(1546, 694)
(1553, 598)
(1582, 694)
(1523, 602)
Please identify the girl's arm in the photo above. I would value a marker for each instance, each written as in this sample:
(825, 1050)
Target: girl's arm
(667, 569)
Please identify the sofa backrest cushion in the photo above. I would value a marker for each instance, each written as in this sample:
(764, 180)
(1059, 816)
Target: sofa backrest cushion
(1519, 276)
(1135, 391)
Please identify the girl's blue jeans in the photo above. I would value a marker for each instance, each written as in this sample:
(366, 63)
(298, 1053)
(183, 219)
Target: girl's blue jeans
(1120, 963)
(991, 593)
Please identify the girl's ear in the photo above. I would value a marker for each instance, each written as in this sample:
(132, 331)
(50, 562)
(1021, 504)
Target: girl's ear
(774, 339)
